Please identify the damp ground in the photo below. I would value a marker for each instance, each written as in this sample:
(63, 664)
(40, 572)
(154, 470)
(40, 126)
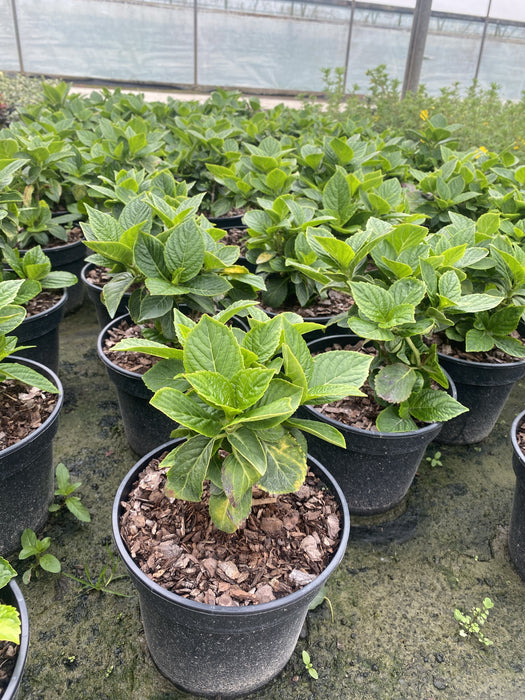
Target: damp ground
(393, 633)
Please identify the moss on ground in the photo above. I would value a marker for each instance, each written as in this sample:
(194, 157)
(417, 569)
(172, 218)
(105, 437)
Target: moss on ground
(393, 636)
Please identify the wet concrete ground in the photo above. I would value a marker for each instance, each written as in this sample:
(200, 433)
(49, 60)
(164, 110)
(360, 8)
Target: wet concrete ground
(393, 635)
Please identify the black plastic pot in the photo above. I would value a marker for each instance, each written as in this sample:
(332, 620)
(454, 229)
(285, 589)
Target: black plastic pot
(93, 292)
(12, 595)
(483, 388)
(517, 520)
(213, 650)
(227, 222)
(376, 470)
(70, 258)
(42, 332)
(27, 474)
(145, 426)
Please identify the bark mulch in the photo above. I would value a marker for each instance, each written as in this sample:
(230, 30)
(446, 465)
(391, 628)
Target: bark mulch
(494, 356)
(132, 361)
(42, 302)
(8, 653)
(23, 410)
(335, 303)
(285, 543)
(73, 235)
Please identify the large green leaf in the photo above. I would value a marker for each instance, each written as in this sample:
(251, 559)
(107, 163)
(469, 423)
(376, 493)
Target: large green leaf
(225, 516)
(150, 347)
(431, 405)
(212, 346)
(184, 251)
(321, 430)
(114, 291)
(286, 466)
(340, 368)
(473, 303)
(208, 284)
(280, 401)
(248, 446)
(263, 338)
(9, 624)
(164, 374)
(10, 318)
(373, 301)
(394, 383)
(113, 250)
(6, 573)
(187, 411)
(149, 256)
(238, 477)
(26, 375)
(389, 421)
(214, 388)
(188, 465)
(250, 385)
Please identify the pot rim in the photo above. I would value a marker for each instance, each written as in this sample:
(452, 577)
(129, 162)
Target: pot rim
(100, 349)
(85, 280)
(373, 434)
(53, 415)
(223, 610)
(23, 647)
(52, 309)
(64, 246)
(484, 365)
(516, 423)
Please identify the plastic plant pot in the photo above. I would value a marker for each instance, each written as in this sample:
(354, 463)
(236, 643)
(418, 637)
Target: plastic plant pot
(42, 332)
(27, 473)
(517, 520)
(144, 425)
(376, 469)
(12, 595)
(214, 650)
(93, 292)
(483, 388)
(69, 258)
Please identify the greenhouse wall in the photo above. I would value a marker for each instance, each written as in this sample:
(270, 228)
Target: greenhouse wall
(266, 45)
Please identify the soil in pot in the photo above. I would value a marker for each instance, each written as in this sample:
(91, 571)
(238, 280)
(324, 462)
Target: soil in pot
(376, 470)
(483, 381)
(226, 650)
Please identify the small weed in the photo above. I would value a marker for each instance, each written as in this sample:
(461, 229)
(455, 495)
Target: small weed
(33, 547)
(308, 665)
(105, 578)
(471, 624)
(65, 487)
(435, 461)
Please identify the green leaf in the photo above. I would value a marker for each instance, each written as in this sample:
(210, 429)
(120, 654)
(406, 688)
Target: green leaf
(163, 374)
(248, 446)
(50, 563)
(286, 466)
(373, 301)
(478, 340)
(149, 347)
(9, 624)
(449, 286)
(280, 401)
(505, 320)
(434, 405)
(294, 370)
(149, 256)
(238, 477)
(188, 464)
(79, 510)
(225, 516)
(187, 411)
(340, 369)
(28, 376)
(394, 383)
(117, 252)
(212, 346)
(6, 573)
(369, 329)
(250, 385)
(213, 388)
(389, 421)
(263, 338)
(10, 318)
(184, 251)
(473, 303)
(512, 346)
(114, 290)
(319, 429)
(337, 197)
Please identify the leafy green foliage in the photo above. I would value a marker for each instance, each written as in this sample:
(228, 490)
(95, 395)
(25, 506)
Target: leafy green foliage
(106, 578)
(235, 399)
(471, 625)
(308, 665)
(65, 487)
(9, 616)
(33, 547)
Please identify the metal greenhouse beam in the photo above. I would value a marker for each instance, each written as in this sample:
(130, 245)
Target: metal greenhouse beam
(416, 47)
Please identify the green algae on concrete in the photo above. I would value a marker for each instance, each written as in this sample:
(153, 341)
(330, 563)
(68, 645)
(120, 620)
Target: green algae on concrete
(393, 636)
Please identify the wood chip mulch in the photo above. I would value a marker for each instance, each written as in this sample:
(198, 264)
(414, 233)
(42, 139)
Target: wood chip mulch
(335, 303)
(42, 302)
(8, 653)
(520, 436)
(74, 234)
(99, 276)
(286, 542)
(132, 361)
(494, 356)
(23, 409)
(236, 236)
